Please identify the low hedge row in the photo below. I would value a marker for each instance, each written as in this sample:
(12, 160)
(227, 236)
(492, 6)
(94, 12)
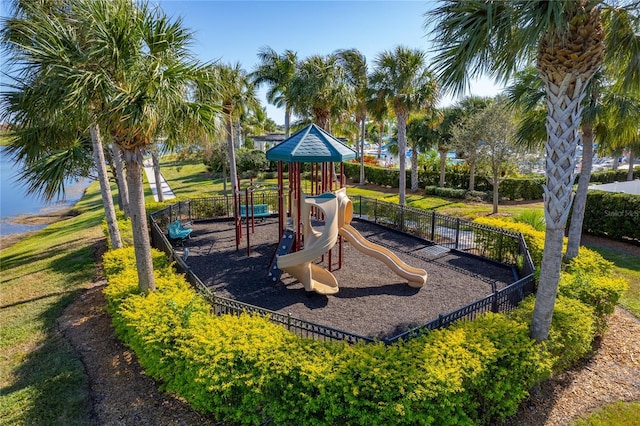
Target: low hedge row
(524, 188)
(247, 370)
(610, 176)
(613, 215)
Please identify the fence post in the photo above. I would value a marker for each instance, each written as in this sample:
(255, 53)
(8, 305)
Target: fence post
(500, 247)
(457, 233)
(375, 211)
(360, 206)
(289, 321)
(433, 226)
(494, 298)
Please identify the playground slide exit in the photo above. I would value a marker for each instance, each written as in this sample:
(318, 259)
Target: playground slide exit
(415, 277)
(299, 264)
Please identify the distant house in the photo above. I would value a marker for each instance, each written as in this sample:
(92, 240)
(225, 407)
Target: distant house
(264, 142)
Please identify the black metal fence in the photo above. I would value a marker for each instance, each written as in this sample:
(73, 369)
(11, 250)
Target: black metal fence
(490, 243)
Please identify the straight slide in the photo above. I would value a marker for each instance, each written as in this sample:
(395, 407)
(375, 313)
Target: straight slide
(415, 277)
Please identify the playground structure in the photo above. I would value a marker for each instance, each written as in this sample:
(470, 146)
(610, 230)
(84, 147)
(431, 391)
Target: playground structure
(333, 208)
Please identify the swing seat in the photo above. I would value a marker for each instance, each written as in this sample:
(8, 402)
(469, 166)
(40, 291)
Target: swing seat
(259, 210)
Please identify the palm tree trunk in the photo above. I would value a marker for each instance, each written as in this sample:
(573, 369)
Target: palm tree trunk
(287, 121)
(123, 190)
(362, 177)
(472, 175)
(156, 173)
(563, 124)
(443, 167)
(232, 156)
(496, 192)
(402, 154)
(580, 200)
(414, 169)
(380, 140)
(631, 161)
(105, 187)
(141, 241)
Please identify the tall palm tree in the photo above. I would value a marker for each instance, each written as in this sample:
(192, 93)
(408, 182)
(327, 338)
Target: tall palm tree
(150, 96)
(608, 117)
(568, 43)
(43, 42)
(124, 67)
(236, 93)
(319, 89)
(402, 79)
(355, 64)
(277, 70)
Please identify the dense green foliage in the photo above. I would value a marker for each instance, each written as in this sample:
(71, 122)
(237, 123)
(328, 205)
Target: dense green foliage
(613, 215)
(572, 330)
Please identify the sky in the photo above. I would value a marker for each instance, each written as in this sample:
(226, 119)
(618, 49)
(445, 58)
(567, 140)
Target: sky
(234, 31)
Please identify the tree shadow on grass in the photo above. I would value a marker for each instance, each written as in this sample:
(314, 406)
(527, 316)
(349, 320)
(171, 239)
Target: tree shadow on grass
(51, 378)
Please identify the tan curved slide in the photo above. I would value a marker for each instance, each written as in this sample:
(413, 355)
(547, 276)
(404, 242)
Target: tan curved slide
(415, 277)
(299, 264)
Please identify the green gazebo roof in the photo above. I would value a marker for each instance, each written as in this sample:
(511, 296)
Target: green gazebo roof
(311, 145)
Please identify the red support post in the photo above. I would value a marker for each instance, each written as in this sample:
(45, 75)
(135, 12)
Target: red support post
(281, 213)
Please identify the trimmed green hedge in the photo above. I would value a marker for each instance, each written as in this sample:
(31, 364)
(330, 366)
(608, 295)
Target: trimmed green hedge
(613, 215)
(525, 188)
(610, 176)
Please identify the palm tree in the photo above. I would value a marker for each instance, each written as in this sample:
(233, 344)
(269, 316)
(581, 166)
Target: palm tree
(123, 67)
(43, 42)
(355, 64)
(123, 191)
(277, 71)
(568, 42)
(402, 79)
(151, 96)
(319, 89)
(451, 117)
(236, 93)
(608, 117)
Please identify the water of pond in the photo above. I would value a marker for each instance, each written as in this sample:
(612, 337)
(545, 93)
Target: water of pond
(14, 202)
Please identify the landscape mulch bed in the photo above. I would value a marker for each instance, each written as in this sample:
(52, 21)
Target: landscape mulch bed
(372, 301)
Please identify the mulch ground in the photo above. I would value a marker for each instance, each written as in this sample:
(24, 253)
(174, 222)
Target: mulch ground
(372, 301)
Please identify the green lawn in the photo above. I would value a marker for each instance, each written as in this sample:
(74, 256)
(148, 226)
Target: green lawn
(41, 379)
(615, 414)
